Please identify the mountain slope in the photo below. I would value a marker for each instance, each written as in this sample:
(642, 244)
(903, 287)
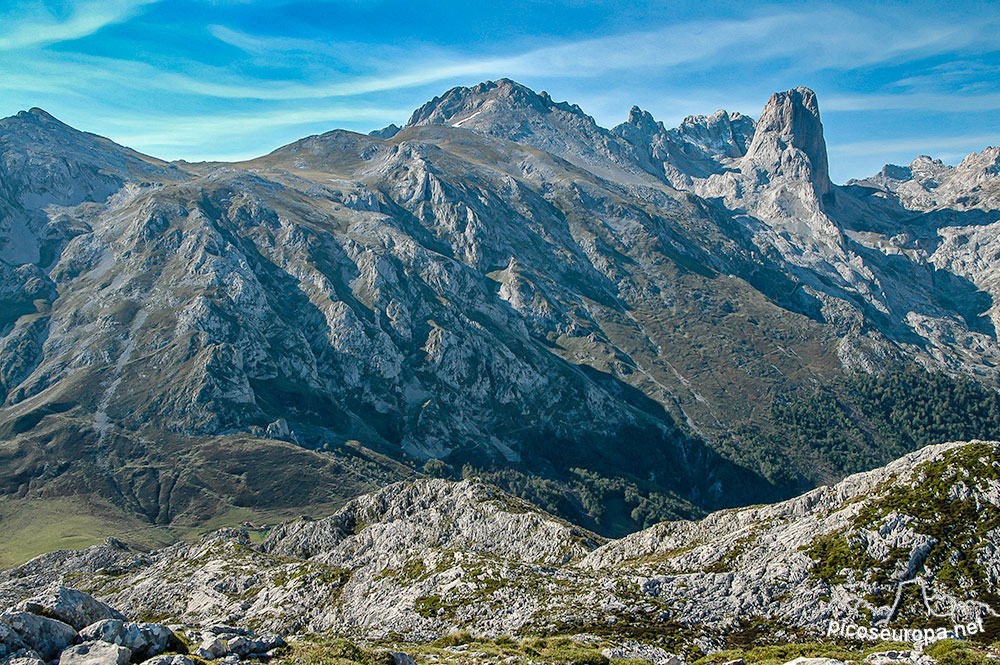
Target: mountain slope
(610, 322)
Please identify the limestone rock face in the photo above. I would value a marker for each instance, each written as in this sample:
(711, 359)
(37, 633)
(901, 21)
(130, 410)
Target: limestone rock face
(10, 641)
(927, 184)
(146, 639)
(788, 140)
(25, 657)
(211, 649)
(106, 630)
(470, 516)
(169, 660)
(511, 111)
(70, 606)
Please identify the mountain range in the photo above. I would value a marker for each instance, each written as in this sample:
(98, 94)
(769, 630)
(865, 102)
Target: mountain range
(622, 325)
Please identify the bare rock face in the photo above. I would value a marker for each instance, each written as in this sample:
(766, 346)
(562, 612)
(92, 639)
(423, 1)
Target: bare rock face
(469, 515)
(105, 630)
(10, 641)
(46, 165)
(928, 184)
(726, 134)
(699, 147)
(25, 657)
(788, 140)
(169, 660)
(508, 110)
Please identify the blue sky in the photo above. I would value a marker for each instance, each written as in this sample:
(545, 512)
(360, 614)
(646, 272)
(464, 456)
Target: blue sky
(228, 79)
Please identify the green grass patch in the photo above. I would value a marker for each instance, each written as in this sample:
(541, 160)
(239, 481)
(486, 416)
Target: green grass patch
(35, 526)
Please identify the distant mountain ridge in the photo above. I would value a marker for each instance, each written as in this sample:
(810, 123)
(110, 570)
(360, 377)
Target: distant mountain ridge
(622, 324)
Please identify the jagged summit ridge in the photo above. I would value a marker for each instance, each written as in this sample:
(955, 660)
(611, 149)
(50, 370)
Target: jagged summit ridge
(724, 133)
(456, 106)
(927, 183)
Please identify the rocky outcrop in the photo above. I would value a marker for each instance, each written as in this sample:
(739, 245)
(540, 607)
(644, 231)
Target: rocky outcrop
(788, 140)
(31, 635)
(927, 184)
(10, 641)
(699, 147)
(95, 653)
(468, 516)
(430, 558)
(48, 637)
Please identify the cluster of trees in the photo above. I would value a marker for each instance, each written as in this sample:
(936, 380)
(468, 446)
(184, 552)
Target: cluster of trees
(862, 421)
(612, 506)
(855, 423)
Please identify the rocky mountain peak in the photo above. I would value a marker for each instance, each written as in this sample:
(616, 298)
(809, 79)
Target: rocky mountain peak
(508, 110)
(36, 123)
(723, 133)
(386, 132)
(986, 163)
(788, 139)
(927, 183)
(461, 104)
(643, 120)
(896, 172)
(38, 114)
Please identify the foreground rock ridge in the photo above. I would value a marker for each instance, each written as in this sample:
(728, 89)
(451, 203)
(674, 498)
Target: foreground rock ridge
(422, 559)
(73, 628)
(613, 322)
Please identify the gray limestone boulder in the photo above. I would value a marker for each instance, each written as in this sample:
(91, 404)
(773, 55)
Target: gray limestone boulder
(241, 646)
(46, 636)
(400, 658)
(95, 653)
(211, 648)
(640, 651)
(169, 660)
(106, 630)
(76, 608)
(25, 657)
(147, 639)
(10, 641)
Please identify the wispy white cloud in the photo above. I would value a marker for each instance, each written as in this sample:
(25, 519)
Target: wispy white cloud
(964, 74)
(916, 101)
(178, 131)
(254, 89)
(835, 37)
(917, 145)
(33, 26)
(267, 45)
